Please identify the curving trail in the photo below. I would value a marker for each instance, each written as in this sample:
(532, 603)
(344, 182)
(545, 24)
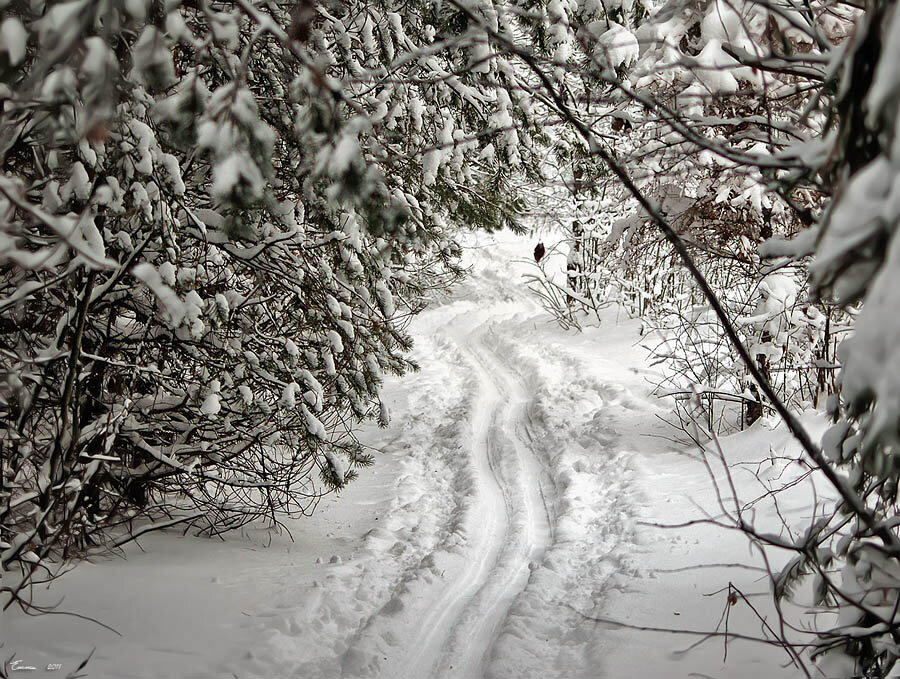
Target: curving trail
(514, 527)
(497, 524)
(506, 512)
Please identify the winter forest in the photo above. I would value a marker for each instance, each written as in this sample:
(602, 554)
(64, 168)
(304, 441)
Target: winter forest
(450, 338)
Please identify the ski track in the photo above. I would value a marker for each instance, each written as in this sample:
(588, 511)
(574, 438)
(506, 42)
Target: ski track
(507, 526)
(512, 541)
(510, 514)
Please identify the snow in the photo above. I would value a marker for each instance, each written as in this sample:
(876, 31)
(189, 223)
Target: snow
(886, 83)
(60, 21)
(430, 165)
(716, 69)
(238, 169)
(385, 299)
(211, 405)
(619, 45)
(870, 200)
(871, 357)
(167, 272)
(13, 39)
(152, 58)
(337, 467)
(79, 183)
(174, 308)
(317, 429)
(345, 155)
(98, 57)
(510, 509)
(337, 344)
(288, 399)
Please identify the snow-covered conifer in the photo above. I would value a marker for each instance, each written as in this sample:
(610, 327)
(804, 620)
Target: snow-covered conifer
(214, 220)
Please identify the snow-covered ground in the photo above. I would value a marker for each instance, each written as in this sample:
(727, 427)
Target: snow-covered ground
(509, 515)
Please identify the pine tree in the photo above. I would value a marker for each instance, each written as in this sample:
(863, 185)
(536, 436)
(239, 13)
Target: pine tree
(216, 221)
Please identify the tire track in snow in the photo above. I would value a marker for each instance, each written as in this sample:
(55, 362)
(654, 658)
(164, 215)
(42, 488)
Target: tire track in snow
(473, 573)
(514, 526)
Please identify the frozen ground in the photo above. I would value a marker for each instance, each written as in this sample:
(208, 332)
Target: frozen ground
(508, 510)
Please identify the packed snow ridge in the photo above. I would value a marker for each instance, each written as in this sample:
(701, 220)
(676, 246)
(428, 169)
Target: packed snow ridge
(505, 523)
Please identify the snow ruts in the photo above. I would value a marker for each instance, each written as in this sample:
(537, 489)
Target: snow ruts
(512, 520)
(507, 519)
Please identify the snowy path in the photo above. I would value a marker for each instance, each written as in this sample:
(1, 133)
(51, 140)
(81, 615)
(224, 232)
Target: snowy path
(499, 508)
(510, 515)
(502, 513)
(513, 523)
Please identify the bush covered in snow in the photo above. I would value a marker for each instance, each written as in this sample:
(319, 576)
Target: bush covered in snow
(715, 110)
(736, 125)
(214, 219)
